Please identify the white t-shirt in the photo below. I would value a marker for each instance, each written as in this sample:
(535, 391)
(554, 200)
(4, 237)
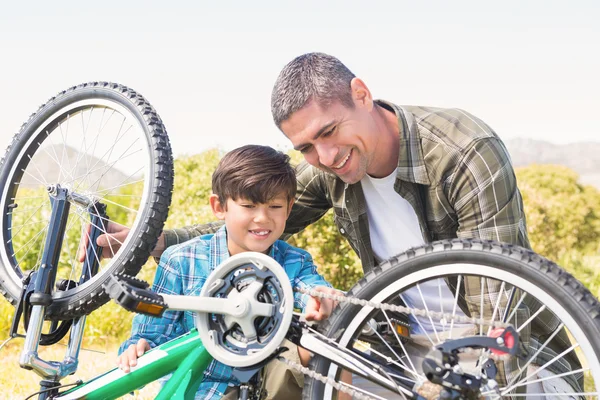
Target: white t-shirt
(394, 228)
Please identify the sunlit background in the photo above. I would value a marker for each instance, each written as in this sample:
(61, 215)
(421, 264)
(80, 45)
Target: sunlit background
(529, 69)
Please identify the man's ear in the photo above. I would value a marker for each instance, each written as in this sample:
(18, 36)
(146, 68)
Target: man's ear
(217, 208)
(361, 94)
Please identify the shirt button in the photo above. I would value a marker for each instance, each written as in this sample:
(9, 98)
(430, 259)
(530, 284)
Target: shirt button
(342, 231)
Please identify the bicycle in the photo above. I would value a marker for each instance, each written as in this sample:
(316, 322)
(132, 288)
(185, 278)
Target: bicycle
(380, 325)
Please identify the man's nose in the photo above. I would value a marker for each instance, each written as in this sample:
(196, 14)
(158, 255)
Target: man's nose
(327, 154)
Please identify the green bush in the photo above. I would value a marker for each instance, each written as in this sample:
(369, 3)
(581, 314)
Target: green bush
(563, 219)
(562, 215)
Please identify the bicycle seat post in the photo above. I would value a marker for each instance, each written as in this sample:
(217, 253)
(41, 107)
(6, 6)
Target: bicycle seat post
(41, 298)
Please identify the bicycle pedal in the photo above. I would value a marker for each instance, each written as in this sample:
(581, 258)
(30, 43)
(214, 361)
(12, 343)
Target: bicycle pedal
(133, 281)
(135, 298)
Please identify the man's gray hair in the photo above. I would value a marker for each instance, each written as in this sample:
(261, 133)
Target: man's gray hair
(311, 76)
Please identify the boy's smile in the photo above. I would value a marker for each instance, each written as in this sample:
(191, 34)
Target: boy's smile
(252, 226)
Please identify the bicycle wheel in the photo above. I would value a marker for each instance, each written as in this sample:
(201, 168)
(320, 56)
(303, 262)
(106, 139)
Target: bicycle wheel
(556, 317)
(104, 143)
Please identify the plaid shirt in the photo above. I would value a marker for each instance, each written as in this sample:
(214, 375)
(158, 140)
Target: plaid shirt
(457, 175)
(183, 269)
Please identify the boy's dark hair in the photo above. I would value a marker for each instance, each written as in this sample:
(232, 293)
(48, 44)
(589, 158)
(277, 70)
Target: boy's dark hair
(253, 172)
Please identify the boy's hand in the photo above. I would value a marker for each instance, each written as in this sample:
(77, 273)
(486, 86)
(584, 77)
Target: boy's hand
(319, 309)
(129, 357)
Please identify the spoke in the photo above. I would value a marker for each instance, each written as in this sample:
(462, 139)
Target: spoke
(416, 318)
(37, 169)
(109, 166)
(119, 136)
(577, 371)
(26, 221)
(542, 308)
(62, 158)
(103, 166)
(28, 173)
(481, 307)
(413, 370)
(34, 237)
(29, 223)
(454, 306)
(19, 198)
(55, 158)
(103, 231)
(546, 394)
(382, 356)
(104, 199)
(121, 184)
(512, 314)
(512, 383)
(109, 151)
(363, 391)
(89, 240)
(104, 227)
(443, 321)
(428, 314)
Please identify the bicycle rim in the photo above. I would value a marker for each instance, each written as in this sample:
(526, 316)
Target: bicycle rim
(557, 295)
(96, 142)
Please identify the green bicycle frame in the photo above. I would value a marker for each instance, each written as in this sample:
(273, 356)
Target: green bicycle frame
(185, 357)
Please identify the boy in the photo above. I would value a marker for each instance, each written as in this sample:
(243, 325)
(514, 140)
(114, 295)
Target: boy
(253, 192)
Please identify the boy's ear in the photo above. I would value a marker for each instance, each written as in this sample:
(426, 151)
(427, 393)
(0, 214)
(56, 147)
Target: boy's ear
(289, 210)
(217, 208)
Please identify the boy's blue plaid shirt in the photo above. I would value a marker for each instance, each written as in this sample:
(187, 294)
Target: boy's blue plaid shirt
(183, 269)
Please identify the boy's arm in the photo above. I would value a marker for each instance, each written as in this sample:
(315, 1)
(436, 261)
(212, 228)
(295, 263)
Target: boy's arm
(307, 278)
(159, 330)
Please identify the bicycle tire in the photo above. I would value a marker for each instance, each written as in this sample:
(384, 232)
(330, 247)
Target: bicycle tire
(581, 308)
(108, 105)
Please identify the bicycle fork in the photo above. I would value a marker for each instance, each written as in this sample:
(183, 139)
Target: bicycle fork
(38, 296)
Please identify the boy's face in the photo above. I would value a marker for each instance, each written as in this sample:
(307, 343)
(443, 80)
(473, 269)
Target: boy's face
(252, 226)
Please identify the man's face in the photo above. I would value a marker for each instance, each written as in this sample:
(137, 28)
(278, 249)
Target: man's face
(338, 139)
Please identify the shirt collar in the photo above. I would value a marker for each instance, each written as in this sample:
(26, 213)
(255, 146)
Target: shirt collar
(411, 163)
(219, 251)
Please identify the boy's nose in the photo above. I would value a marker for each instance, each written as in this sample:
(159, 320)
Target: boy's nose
(260, 214)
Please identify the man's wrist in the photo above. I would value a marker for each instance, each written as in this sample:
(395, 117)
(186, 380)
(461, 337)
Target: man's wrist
(160, 246)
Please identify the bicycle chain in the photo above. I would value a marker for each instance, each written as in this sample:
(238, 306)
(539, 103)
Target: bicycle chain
(387, 307)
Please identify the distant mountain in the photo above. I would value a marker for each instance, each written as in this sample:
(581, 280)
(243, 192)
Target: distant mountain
(48, 161)
(583, 158)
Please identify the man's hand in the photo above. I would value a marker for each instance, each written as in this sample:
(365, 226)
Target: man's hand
(319, 309)
(129, 357)
(111, 241)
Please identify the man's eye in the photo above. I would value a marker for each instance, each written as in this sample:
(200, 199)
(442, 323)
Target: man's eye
(328, 133)
(306, 149)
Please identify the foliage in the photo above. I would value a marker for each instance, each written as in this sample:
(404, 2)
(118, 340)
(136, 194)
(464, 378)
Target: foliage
(563, 219)
(562, 215)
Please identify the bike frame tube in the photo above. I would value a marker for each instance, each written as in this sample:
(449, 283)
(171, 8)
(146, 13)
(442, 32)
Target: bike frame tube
(185, 356)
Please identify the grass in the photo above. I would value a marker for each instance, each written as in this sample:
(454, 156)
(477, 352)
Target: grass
(94, 359)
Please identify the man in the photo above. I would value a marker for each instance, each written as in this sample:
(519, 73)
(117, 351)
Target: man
(435, 173)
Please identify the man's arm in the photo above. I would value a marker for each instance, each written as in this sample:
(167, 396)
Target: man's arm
(312, 199)
(180, 235)
(485, 196)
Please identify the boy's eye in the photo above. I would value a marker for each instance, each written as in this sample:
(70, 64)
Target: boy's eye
(248, 205)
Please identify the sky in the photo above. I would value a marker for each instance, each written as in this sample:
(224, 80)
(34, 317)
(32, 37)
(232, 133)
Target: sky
(528, 68)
